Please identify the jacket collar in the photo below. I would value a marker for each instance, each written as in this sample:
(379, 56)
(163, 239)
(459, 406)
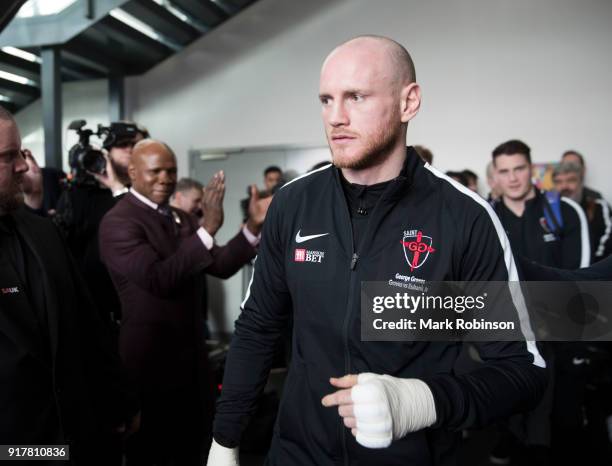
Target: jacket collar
(143, 199)
(399, 185)
(136, 202)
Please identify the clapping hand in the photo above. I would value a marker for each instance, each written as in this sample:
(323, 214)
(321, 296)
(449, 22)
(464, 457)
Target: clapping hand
(258, 208)
(212, 203)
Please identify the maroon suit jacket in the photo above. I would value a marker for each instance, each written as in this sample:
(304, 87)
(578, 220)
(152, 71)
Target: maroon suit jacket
(158, 267)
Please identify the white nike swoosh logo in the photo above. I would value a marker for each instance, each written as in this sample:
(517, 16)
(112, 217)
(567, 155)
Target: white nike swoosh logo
(301, 239)
(578, 361)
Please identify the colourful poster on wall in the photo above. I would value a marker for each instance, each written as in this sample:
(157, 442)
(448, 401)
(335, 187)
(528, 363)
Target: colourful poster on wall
(542, 175)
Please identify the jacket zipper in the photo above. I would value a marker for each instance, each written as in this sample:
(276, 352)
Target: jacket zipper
(345, 325)
(350, 301)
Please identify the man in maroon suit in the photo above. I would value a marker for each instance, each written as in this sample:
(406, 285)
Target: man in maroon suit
(157, 257)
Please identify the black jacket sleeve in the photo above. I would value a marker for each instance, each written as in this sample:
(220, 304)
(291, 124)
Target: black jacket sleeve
(230, 258)
(513, 376)
(575, 241)
(601, 231)
(264, 316)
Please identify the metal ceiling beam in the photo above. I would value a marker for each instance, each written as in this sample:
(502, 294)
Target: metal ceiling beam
(240, 4)
(98, 45)
(122, 32)
(20, 100)
(31, 70)
(116, 98)
(32, 76)
(204, 10)
(72, 73)
(225, 7)
(19, 63)
(185, 16)
(8, 11)
(161, 20)
(39, 31)
(52, 105)
(90, 56)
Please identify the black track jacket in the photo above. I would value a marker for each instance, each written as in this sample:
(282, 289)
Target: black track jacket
(308, 266)
(532, 237)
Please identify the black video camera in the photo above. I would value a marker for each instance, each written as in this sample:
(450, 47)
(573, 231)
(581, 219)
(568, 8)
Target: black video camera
(84, 159)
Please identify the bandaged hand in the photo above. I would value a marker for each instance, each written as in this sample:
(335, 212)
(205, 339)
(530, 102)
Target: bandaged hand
(379, 408)
(222, 456)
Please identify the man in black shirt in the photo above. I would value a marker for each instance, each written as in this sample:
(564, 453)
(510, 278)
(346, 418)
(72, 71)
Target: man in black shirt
(568, 180)
(378, 213)
(61, 376)
(549, 230)
(573, 156)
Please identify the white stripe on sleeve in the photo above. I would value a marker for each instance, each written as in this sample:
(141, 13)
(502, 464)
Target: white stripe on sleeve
(585, 242)
(516, 293)
(605, 210)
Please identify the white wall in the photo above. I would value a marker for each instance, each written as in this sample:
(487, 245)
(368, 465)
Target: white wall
(490, 70)
(83, 100)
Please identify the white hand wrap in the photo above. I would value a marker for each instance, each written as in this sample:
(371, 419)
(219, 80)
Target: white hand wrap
(222, 456)
(387, 408)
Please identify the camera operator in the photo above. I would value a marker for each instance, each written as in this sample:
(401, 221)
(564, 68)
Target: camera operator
(42, 187)
(99, 179)
(120, 140)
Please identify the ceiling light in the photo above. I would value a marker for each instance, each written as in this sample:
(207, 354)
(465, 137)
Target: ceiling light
(17, 79)
(22, 54)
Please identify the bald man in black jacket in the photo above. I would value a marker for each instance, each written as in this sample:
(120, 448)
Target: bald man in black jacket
(60, 378)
